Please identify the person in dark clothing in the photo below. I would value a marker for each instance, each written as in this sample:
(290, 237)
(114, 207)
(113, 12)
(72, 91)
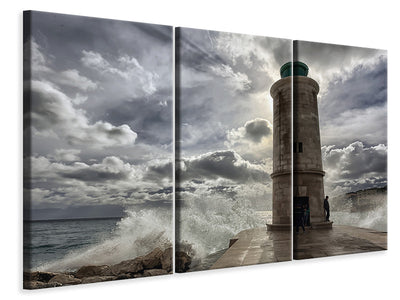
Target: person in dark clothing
(307, 215)
(326, 207)
(299, 221)
(299, 217)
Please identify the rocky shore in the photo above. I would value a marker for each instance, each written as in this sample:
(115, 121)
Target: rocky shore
(157, 262)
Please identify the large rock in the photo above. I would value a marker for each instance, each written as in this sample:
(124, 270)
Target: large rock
(128, 266)
(154, 272)
(38, 276)
(152, 260)
(90, 271)
(94, 279)
(31, 285)
(166, 260)
(65, 279)
(182, 262)
(124, 276)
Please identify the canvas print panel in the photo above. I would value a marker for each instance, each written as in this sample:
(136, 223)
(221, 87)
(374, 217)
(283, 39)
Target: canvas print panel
(340, 172)
(224, 146)
(97, 149)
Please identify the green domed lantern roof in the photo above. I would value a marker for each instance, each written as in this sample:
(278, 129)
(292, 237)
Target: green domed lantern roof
(299, 69)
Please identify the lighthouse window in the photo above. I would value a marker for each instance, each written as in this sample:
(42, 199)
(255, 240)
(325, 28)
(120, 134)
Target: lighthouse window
(297, 147)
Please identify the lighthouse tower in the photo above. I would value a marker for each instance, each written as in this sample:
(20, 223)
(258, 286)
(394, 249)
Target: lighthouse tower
(281, 92)
(308, 175)
(298, 155)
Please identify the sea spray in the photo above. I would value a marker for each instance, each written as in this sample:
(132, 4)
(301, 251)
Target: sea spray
(375, 219)
(140, 232)
(205, 224)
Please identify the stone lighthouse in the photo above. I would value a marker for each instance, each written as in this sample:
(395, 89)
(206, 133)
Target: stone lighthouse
(298, 155)
(281, 92)
(308, 175)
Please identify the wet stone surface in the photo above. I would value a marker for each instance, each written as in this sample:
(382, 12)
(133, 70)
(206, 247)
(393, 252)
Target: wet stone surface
(256, 246)
(339, 240)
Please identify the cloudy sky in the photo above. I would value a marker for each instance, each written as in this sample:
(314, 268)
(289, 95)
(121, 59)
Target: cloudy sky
(100, 115)
(352, 113)
(226, 114)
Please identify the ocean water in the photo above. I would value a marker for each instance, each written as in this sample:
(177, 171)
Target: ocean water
(66, 245)
(50, 241)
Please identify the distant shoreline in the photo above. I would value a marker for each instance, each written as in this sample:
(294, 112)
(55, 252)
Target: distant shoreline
(74, 219)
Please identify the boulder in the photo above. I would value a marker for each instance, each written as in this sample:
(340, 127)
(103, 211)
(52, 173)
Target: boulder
(154, 272)
(166, 260)
(128, 266)
(38, 276)
(152, 260)
(124, 276)
(31, 285)
(182, 262)
(90, 271)
(65, 279)
(94, 279)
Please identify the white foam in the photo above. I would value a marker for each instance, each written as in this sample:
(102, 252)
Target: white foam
(373, 219)
(137, 234)
(206, 224)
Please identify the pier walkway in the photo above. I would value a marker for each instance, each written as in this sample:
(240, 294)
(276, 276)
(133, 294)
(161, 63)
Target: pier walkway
(258, 246)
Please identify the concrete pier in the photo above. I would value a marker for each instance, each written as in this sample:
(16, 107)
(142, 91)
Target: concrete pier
(256, 246)
(339, 240)
(259, 246)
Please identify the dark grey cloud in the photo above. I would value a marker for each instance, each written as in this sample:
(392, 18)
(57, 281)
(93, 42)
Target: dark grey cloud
(253, 140)
(226, 164)
(167, 190)
(362, 87)
(257, 129)
(68, 35)
(158, 170)
(355, 107)
(154, 122)
(113, 170)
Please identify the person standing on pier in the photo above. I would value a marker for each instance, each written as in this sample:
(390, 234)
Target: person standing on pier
(326, 207)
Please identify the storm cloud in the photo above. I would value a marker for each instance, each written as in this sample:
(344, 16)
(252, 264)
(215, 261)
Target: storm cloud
(226, 164)
(99, 113)
(253, 130)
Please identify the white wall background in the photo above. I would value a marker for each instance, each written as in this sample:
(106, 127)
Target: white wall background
(372, 24)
